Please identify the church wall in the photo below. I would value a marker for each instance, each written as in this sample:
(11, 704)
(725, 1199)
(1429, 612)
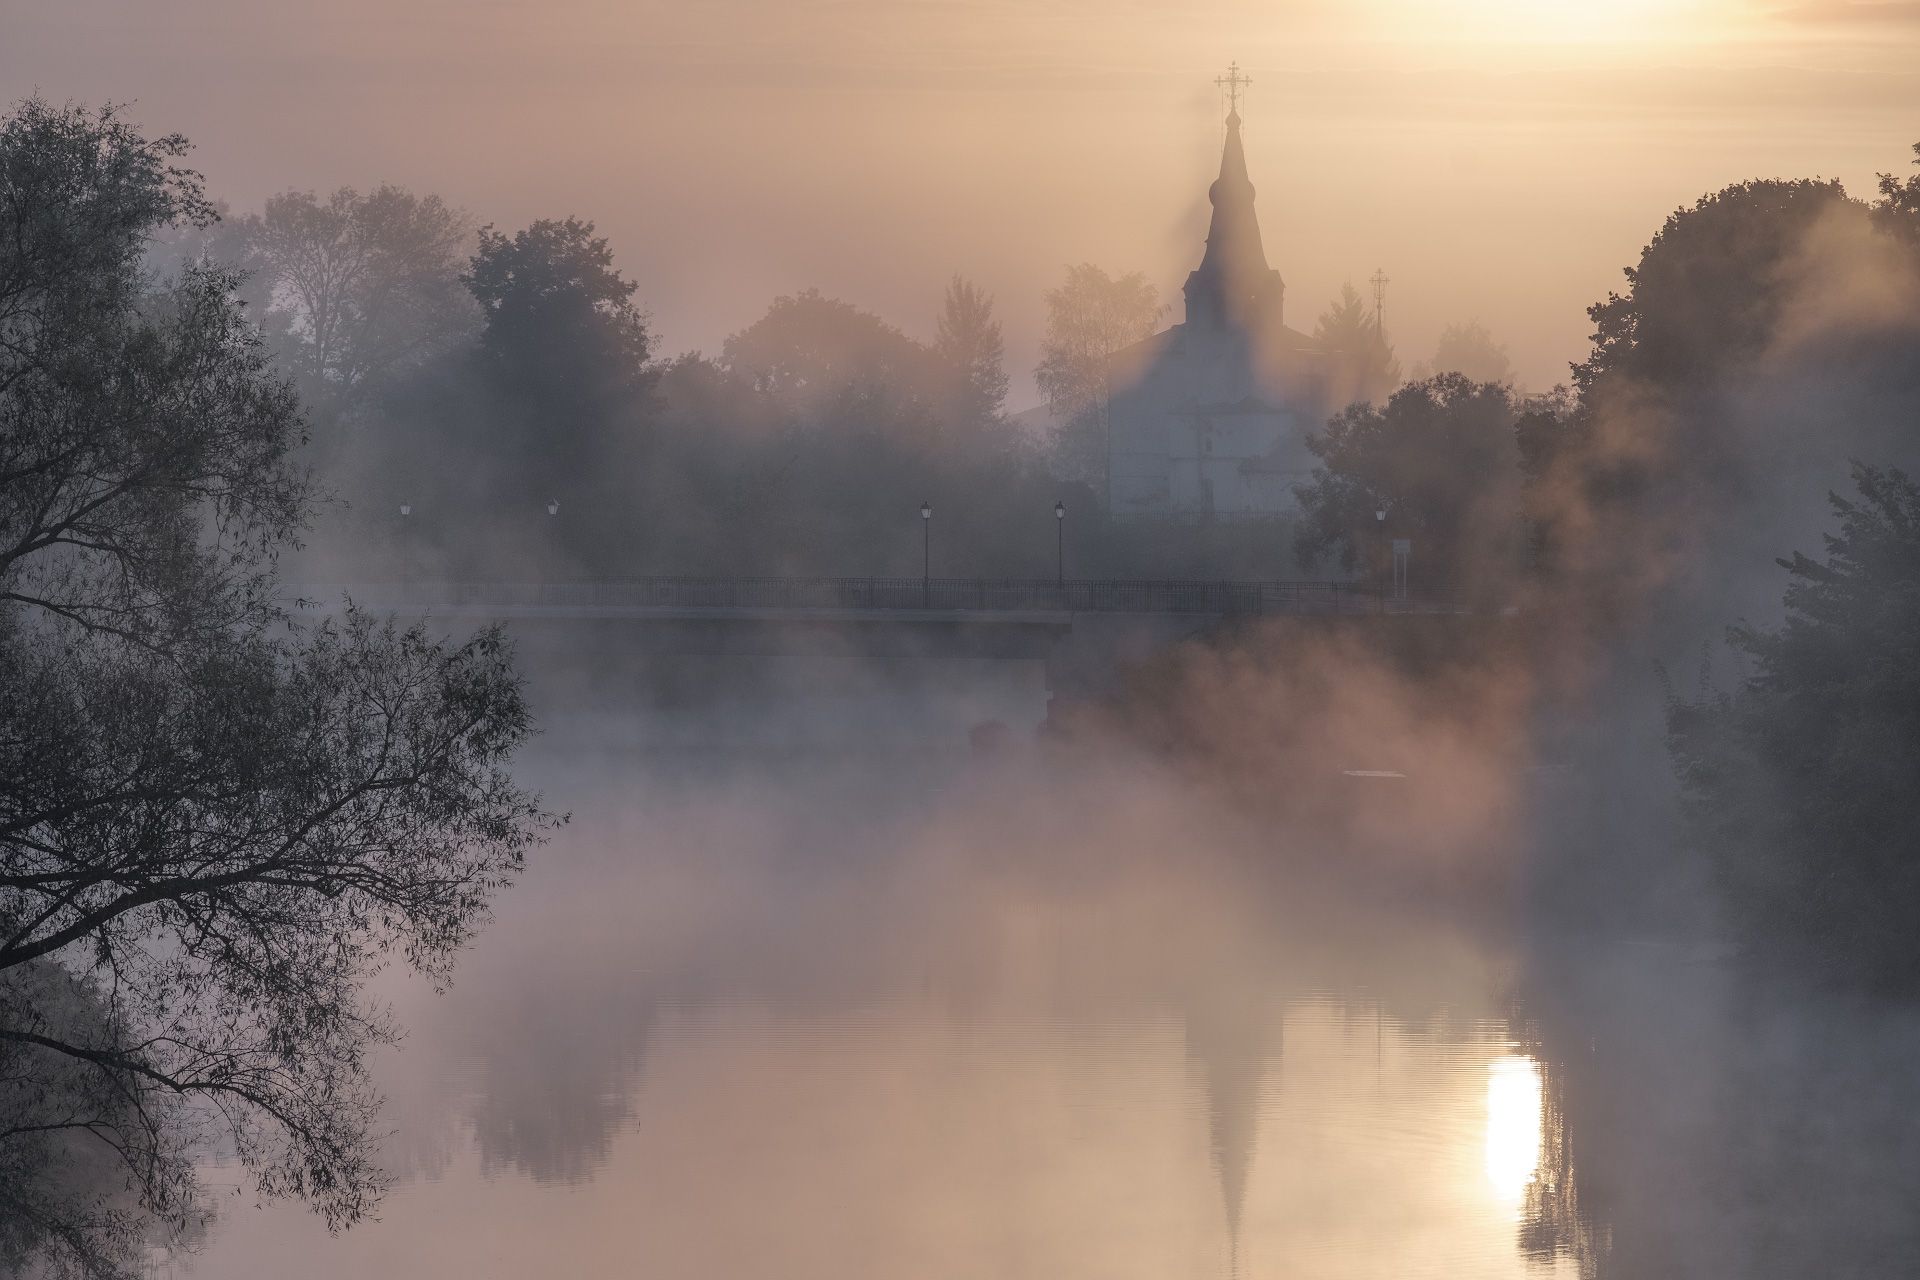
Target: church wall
(1198, 432)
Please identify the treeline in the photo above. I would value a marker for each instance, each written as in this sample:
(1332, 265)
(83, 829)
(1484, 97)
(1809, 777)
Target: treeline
(507, 390)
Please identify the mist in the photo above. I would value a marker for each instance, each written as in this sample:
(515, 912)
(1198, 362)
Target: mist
(1498, 164)
(1466, 830)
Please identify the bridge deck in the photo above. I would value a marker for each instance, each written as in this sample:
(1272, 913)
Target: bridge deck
(876, 600)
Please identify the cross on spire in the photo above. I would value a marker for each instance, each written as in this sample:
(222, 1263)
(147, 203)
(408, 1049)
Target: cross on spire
(1233, 82)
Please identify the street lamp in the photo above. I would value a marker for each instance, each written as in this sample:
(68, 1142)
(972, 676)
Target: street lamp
(1060, 544)
(406, 544)
(1380, 518)
(926, 554)
(553, 506)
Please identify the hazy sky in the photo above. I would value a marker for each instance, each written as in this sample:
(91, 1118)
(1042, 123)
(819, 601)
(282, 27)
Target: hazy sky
(1500, 159)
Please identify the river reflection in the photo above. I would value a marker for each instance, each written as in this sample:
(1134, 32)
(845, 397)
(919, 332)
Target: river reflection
(934, 1017)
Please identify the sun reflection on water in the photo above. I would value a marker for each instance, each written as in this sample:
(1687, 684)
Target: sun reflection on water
(1513, 1126)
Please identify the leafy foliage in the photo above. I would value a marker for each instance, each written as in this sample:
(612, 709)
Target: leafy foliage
(1439, 459)
(831, 366)
(1804, 784)
(1680, 439)
(1898, 211)
(967, 343)
(359, 287)
(561, 324)
(1468, 349)
(1362, 362)
(1709, 290)
(1091, 318)
(213, 823)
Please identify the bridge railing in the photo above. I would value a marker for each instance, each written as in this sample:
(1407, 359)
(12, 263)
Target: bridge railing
(1092, 595)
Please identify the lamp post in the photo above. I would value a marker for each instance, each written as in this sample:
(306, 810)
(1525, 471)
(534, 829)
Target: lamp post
(553, 506)
(1380, 518)
(406, 544)
(926, 555)
(1060, 546)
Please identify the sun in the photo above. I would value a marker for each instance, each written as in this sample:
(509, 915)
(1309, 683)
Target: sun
(1561, 22)
(1513, 1127)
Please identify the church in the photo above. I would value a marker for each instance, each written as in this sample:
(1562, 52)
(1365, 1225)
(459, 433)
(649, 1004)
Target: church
(1208, 419)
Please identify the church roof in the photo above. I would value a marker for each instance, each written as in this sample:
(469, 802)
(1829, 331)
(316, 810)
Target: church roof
(1233, 283)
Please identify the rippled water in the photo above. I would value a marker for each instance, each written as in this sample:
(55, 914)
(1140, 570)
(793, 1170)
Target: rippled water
(884, 1014)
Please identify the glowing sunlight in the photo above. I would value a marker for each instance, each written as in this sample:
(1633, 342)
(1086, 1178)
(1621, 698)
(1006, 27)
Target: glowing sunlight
(1513, 1126)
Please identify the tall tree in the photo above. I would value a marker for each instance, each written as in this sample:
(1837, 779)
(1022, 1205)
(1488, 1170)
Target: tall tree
(1710, 289)
(827, 364)
(565, 355)
(967, 342)
(214, 823)
(1804, 784)
(1363, 368)
(1898, 210)
(1439, 458)
(1674, 441)
(360, 287)
(1468, 349)
(1091, 318)
(561, 322)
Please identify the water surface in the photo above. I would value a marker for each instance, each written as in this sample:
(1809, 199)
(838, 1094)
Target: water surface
(833, 1012)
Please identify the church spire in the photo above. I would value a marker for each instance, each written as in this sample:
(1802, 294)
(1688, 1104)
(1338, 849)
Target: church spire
(1233, 286)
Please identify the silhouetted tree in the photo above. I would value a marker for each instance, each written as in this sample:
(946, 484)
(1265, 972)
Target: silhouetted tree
(828, 365)
(358, 287)
(1469, 350)
(564, 362)
(1709, 290)
(1091, 318)
(214, 824)
(1363, 365)
(1439, 458)
(561, 324)
(967, 342)
(1671, 429)
(1898, 210)
(1804, 784)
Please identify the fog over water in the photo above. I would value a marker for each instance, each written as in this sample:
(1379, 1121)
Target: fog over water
(833, 1010)
(1442, 897)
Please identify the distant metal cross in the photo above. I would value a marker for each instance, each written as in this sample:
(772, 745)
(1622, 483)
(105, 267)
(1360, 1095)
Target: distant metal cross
(1233, 82)
(1379, 282)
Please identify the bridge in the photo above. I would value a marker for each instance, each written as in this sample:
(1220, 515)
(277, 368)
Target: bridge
(892, 600)
(1084, 630)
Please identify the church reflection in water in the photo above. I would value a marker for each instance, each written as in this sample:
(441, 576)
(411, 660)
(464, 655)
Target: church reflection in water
(946, 1040)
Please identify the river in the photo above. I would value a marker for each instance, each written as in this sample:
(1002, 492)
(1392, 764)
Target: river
(899, 1010)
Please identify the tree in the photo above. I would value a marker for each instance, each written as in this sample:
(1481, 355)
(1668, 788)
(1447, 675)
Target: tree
(1898, 210)
(1803, 786)
(1362, 364)
(1091, 319)
(1710, 289)
(215, 823)
(967, 343)
(1439, 458)
(360, 287)
(1470, 351)
(564, 359)
(828, 365)
(561, 324)
(1679, 438)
